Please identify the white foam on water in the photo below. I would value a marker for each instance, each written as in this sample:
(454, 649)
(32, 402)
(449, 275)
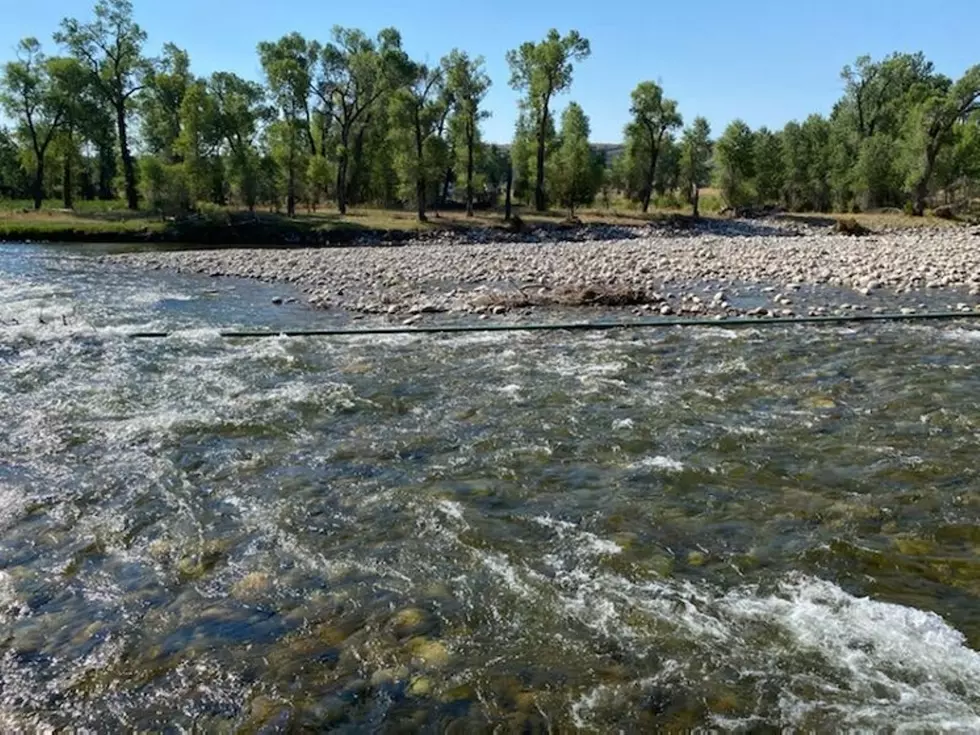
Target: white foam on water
(960, 334)
(512, 391)
(658, 462)
(901, 664)
(585, 541)
(883, 664)
(146, 297)
(452, 509)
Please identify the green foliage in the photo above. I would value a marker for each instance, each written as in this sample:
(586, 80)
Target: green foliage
(542, 70)
(161, 102)
(806, 151)
(575, 172)
(110, 48)
(30, 93)
(466, 85)
(647, 140)
(13, 177)
(769, 171)
(416, 110)
(165, 187)
(695, 160)
(696, 149)
(877, 173)
(354, 119)
(735, 164)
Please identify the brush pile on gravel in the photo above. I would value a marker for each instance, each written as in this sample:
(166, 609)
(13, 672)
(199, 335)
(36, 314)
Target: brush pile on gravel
(719, 268)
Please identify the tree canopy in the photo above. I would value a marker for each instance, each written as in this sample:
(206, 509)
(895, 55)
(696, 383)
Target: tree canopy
(352, 119)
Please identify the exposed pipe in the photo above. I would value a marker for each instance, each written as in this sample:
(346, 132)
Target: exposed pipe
(585, 326)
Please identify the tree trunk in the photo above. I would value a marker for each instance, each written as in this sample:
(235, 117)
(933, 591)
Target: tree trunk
(651, 173)
(446, 183)
(420, 171)
(106, 172)
(355, 167)
(510, 185)
(66, 183)
(129, 171)
(921, 189)
(342, 182)
(539, 199)
(291, 179)
(37, 188)
(695, 196)
(469, 174)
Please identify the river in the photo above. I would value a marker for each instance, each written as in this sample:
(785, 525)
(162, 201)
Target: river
(738, 529)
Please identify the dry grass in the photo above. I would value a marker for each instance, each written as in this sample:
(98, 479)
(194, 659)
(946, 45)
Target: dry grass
(92, 219)
(874, 220)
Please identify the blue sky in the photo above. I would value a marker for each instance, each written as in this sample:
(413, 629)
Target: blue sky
(765, 61)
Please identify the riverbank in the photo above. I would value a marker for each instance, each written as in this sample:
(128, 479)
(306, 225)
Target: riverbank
(720, 268)
(230, 228)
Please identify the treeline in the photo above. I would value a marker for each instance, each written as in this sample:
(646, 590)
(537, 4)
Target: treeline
(354, 120)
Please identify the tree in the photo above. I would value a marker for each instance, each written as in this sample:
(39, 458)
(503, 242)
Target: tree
(467, 83)
(876, 173)
(288, 65)
(82, 113)
(13, 181)
(932, 123)
(239, 110)
(522, 156)
(29, 94)
(542, 70)
(355, 73)
(198, 140)
(735, 158)
(161, 102)
(574, 176)
(653, 118)
(696, 159)
(769, 172)
(416, 109)
(110, 47)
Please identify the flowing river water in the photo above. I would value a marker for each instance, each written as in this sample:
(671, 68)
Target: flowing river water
(744, 530)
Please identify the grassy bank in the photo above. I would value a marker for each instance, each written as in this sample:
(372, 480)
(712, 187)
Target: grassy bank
(111, 223)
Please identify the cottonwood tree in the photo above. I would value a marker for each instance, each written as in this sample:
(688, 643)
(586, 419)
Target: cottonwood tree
(82, 112)
(355, 72)
(522, 156)
(13, 179)
(575, 174)
(735, 158)
(542, 70)
(111, 49)
(696, 159)
(29, 93)
(653, 118)
(161, 101)
(932, 122)
(198, 143)
(416, 110)
(240, 109)
(769, 166)
(288, 65)
(467, 84)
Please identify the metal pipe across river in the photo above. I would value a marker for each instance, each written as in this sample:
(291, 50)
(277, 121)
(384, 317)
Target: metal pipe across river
(585, 326)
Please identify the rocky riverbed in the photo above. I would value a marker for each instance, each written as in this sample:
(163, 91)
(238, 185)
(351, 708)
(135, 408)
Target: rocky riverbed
(721, 269)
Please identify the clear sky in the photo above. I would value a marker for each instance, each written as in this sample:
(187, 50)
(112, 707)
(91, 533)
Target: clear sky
(766, 61)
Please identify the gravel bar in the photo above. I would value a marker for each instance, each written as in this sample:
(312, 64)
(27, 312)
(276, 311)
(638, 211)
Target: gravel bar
(721, 269)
